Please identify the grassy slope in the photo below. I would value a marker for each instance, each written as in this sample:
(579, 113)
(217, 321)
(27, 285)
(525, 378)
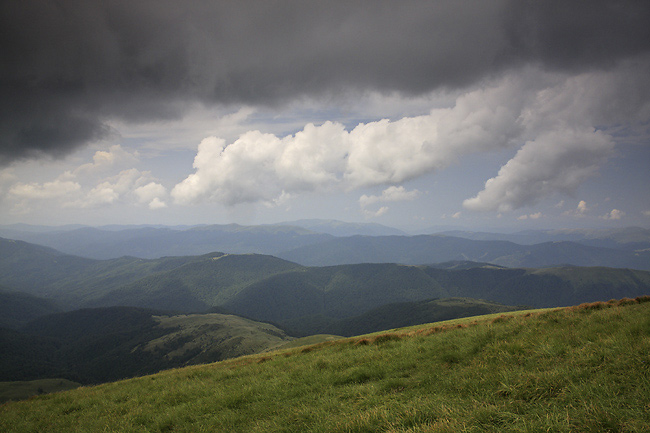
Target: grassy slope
(569, 370)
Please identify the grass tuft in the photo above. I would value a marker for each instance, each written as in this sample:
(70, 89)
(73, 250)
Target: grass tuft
(384, 338)
(626, 301)
(597, 420)
(500, 319)
(593, 306)
(642, 299)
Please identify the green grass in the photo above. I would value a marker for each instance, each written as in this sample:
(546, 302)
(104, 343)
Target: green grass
(581, 369)
(309, 340)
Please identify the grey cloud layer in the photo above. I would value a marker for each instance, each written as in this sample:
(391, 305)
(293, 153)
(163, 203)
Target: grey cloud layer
(69, 66)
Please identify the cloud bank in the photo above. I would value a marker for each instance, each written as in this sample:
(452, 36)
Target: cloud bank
(71, 67)
(558, 124)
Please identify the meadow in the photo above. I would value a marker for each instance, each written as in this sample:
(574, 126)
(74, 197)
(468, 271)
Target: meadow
(575, 369)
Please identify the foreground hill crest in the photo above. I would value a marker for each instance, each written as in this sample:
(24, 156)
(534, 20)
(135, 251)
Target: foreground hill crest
(562, 370)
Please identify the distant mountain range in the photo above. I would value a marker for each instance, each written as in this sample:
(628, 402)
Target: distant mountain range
(429, 249)
(343, 229)
(628, 238)
(157, 241)
(330, 242)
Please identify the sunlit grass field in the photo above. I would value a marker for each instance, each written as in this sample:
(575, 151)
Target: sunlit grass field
(580, 369)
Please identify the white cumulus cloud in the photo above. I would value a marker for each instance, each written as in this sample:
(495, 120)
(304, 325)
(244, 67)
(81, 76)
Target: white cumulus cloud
(559, 123)
(47, 190)
(105, 159)
(582, 207)
(374, 214)
(151, 194)
(126, 185)
(260, 166)
(533, 216)
(580, 210)
(614, 214)
(392, 193)
(557, 161)
(157, 203)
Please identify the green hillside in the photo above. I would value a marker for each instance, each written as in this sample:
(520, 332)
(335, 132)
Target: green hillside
(336, 292)
(581, 369)
(71, 280)
(546, 287)
(320, 300)
(202, 338)
(206, 281)
(106, 344)
(410, 250)
(32, 268)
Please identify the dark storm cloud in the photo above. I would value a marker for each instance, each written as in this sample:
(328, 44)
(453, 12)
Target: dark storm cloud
(576, 35)
(68, 66)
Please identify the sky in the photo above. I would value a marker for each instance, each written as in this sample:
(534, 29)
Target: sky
(496, 115)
